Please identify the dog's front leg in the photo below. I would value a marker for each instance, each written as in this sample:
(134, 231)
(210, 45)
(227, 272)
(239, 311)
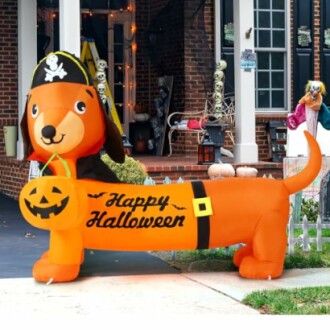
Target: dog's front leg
(62, 262)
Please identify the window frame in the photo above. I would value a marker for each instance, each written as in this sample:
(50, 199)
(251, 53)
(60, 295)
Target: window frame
(270, 50)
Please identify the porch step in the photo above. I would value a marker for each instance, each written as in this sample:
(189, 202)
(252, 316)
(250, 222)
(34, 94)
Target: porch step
(159, 168)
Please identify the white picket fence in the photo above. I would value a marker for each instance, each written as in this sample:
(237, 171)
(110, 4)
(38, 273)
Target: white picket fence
(304, 240)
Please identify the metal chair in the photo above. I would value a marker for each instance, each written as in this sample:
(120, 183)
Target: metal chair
(178, 121)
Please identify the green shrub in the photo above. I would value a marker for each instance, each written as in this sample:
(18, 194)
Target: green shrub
(310, 208)
(131, 171)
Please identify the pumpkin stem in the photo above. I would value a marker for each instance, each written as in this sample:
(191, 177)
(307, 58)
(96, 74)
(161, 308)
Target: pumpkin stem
(64, 163)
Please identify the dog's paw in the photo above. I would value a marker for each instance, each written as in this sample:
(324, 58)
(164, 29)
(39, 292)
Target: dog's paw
(46, 272)
(252, 268)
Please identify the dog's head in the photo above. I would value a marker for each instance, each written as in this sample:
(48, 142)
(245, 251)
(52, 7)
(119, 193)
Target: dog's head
(64, 113)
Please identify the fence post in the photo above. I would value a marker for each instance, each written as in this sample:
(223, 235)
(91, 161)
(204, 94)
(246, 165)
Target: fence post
(305, 234)
(297, 206)
(291, 235)
(319, 233)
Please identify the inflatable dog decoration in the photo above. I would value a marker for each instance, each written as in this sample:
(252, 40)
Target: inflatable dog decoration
(90, 214)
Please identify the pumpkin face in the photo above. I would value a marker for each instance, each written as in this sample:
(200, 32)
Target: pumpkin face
(52, 203)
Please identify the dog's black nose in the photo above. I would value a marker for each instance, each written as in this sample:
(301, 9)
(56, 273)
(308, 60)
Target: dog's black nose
(48, 132)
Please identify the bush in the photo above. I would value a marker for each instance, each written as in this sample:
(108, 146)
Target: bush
(310, 208)
(131, 171)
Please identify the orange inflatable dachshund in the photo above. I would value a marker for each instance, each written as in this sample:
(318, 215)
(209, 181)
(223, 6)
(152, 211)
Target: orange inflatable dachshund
(86, 213)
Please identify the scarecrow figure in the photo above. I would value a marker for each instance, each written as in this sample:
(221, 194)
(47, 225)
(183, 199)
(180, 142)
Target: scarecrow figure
(311, 109)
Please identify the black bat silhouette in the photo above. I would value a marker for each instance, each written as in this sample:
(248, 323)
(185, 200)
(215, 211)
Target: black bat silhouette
(96, 195)
(179, 207)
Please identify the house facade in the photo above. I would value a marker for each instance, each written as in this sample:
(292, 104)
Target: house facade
(145, 40)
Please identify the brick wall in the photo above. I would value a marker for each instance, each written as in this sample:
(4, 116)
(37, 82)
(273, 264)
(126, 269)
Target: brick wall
(160, 51)
(8, 67)
(11, 177)
(199, 61)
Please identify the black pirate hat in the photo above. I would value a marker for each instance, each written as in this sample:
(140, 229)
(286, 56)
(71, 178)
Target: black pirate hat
(61, 66)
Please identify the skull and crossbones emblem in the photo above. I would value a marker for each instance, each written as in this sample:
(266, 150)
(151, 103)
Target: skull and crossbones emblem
(55, 69)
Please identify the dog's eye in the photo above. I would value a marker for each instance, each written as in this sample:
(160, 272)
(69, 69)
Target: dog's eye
(35, 110)
(80, 107)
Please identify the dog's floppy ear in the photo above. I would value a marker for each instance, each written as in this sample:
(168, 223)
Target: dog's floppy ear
(113, 144)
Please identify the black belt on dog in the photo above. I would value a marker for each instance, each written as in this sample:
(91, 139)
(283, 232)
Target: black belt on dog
(203, 210)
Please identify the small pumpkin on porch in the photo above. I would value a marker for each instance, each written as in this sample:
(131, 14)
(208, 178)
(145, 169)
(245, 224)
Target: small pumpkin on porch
(221, 170)
(53, 203)
(245, 171)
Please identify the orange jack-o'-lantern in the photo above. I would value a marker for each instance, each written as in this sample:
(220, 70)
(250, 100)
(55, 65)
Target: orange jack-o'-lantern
(53, 203)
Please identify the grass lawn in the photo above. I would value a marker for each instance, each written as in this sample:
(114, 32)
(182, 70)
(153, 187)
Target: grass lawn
(303, 301)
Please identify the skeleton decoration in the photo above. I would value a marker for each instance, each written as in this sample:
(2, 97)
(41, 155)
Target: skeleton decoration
(100, 76)
(101, 89)
(219, 88)
(101, 65)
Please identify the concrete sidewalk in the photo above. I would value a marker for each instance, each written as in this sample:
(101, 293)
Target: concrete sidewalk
(206, 293)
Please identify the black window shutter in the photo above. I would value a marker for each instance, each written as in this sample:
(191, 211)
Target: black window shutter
(303, 45)
(227, 46)
(325, 48)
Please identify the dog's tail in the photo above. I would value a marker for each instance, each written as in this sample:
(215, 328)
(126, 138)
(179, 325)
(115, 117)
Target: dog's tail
(305, 177)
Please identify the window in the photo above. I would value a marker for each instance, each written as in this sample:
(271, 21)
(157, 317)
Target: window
(119, 68)
(270, 48)
(122, 64)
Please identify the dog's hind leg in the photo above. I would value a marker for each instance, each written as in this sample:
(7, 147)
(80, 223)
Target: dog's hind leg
(269, 249)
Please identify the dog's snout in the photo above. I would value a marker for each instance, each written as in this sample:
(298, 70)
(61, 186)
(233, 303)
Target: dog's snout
(48, 132)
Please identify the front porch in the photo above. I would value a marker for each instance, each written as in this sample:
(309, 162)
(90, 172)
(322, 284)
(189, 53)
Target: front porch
(186, 167)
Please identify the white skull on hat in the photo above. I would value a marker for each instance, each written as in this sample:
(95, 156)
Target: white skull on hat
(55, 69)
